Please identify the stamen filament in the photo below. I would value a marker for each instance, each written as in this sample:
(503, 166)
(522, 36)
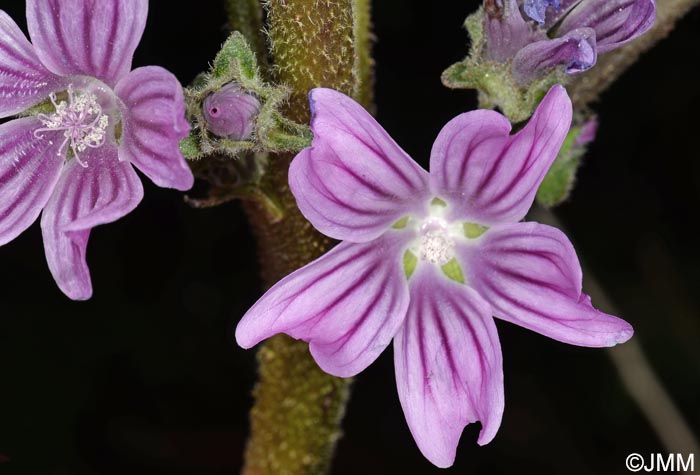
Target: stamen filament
(82, 120)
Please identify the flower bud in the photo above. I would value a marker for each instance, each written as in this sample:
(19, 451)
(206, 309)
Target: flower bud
(506, 30)
(537, 9)
(587, 133)
(231, 112)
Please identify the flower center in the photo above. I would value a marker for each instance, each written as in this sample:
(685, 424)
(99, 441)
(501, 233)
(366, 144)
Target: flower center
(81, 119)
(436, 245)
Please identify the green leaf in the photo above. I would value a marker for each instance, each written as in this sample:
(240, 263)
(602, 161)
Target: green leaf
(561, 177)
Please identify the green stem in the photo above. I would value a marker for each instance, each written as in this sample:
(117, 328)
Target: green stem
(364, 63)
(246, 17)
(295, 421)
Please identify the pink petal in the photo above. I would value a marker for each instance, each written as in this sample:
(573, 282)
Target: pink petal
(490, 177)
(24, 81)
(29, 170)
(348, 304)
(154, 123)
(530, 275)
(615, 22)
(449, 369)
(89, 37)
(84, 198)
(354, 182)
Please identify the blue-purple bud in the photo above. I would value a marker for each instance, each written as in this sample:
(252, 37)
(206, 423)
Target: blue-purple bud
(537, 9)
(231, 112)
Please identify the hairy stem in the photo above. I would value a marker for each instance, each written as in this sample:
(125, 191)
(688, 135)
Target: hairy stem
(246, 16)
(295, 422)
(364, 63)
(587, 87)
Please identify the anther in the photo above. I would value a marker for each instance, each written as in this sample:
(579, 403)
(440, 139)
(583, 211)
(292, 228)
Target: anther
(81, 120)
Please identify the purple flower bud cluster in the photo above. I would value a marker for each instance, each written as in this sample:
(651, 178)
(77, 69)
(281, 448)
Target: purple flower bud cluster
(538, 36)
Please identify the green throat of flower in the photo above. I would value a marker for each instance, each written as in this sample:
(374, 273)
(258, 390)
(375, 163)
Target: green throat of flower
(436, 242)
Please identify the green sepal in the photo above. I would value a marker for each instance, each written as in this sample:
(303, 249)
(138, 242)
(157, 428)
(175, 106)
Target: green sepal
(275, 132)
(561, 177)
(498, 88)
(453, 271)
(474, 230)
(44, 107)
(189, 146)
(401, 223)
(410, 261)
(494, 80)
(236, 54)
(236, 63)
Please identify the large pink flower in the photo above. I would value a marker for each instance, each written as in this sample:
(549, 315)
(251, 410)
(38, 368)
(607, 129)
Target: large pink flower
(74, 159)
(428, 259)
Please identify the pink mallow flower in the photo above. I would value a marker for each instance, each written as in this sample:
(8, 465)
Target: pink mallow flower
(75, 160)
(428, 259)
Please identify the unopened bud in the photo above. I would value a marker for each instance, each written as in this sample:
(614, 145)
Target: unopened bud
(231, 112)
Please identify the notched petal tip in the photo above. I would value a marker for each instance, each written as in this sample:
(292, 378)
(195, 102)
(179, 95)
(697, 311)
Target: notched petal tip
(622, 336)
(491, 177)
(531, 276)
(449, 367)
(612, 330)
(354, 182)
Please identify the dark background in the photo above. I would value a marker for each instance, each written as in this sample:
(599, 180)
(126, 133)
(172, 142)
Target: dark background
(146, 377)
